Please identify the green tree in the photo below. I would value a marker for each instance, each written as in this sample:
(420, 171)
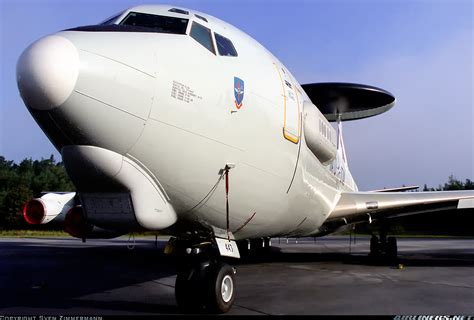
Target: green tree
(469, 185)
(13, 204)
(453, 184)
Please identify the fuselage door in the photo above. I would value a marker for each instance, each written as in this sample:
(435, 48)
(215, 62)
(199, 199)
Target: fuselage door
(291, 105)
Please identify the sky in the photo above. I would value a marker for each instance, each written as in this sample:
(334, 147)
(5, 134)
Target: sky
(419, 50)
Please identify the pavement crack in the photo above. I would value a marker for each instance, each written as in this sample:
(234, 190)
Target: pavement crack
(251, 309)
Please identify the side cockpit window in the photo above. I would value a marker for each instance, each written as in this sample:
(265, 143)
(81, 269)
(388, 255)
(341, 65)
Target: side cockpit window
(202, 35)
(201, 17)
(111, 20)
(156, 23)
(225, 46)
(176, 10)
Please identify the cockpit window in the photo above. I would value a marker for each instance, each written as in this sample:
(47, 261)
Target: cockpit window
(201, 17)
(202, 35)
(162, 24)
(176, 10)
(225, 46)
(111, 20)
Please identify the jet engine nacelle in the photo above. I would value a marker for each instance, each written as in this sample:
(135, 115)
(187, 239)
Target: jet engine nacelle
(320, 136)
(51, 206)
(77, 225)
(61, 207)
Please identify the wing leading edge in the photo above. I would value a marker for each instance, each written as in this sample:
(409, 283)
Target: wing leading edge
(355, 207)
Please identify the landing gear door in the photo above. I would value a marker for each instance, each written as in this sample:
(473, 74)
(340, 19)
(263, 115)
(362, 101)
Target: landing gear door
(291, 105)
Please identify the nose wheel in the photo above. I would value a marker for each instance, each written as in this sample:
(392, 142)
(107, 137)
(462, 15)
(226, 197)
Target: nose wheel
(205, 287)
(222, 289)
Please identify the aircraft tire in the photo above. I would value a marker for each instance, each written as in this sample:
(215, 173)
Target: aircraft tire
(187, 288)
(392, 249)
(374, 247)
(221, 288)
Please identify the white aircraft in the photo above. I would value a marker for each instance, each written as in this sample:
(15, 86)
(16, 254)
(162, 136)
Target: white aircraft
(172, 120)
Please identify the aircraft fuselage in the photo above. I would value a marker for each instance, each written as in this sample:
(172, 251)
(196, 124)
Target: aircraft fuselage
(179, 112)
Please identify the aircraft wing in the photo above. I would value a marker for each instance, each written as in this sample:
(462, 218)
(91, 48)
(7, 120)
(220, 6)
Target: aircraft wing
(399, 189)
(355, 207)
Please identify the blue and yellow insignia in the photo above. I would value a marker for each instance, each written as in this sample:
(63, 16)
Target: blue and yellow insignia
(238, 92)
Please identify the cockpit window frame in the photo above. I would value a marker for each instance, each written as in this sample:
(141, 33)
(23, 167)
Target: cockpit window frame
(226, 41)
(182, 31)
(178, 10)
(112, 19)
(200, 17)
(198, 40)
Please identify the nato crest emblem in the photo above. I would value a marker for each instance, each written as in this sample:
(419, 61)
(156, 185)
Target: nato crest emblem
(238, 92)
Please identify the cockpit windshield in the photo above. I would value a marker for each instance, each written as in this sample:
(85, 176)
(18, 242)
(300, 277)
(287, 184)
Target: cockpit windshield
(111, 20)
(156, 23)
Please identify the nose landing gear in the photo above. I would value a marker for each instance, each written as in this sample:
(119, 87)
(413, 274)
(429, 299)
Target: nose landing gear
(204, 282)
(205, 287)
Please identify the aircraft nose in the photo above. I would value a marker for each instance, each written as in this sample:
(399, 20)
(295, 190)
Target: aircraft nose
(47, 72)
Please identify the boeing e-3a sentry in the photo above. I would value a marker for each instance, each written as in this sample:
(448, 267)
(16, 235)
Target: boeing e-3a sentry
(172, 120)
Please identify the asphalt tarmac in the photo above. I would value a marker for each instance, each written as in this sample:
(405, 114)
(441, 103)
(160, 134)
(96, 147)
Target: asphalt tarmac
(328, 276)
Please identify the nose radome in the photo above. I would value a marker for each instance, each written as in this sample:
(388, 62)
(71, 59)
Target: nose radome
(47, 72)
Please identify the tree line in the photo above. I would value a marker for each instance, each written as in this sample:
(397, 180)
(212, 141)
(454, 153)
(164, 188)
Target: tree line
(452, 184)
(21, 182)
